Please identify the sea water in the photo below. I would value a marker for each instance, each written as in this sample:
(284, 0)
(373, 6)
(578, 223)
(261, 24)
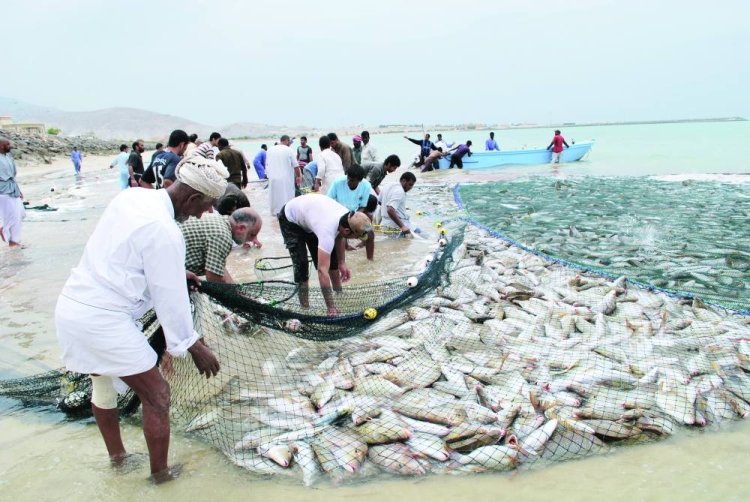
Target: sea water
(46, 457)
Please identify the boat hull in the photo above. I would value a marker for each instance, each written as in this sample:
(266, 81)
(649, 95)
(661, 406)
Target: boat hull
(481, 160)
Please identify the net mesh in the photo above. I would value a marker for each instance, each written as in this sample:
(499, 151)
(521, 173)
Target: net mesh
(498, 360)
(687, 237)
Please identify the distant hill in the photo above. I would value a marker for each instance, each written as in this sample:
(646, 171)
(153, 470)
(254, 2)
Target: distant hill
(124, 123)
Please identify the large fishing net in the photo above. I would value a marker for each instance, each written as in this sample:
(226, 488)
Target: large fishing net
(689, 237)
(501, 360)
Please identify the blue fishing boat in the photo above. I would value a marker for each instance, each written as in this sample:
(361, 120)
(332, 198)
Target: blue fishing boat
(480, 160)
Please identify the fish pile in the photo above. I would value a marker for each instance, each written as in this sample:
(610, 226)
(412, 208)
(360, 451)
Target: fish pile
(685, 236)
(514, 361)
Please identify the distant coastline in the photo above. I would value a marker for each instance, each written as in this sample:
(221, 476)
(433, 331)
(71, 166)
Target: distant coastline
(395, 128)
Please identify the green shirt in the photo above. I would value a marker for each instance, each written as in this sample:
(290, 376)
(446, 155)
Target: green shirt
(208, 241)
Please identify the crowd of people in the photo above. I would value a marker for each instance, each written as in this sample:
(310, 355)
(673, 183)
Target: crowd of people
(161, 231)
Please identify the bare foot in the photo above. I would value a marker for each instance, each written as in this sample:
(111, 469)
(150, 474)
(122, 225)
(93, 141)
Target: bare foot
(166, 475)
(127, 462)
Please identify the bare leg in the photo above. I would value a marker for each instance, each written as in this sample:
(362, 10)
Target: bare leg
(108, 422)
(153, 392)
(304, 294)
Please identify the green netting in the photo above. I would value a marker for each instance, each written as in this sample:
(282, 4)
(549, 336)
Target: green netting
(688, 237)
(504, 361)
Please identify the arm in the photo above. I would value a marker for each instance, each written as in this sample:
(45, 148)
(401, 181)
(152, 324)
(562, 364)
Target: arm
(163, 256)
(566, 144)
(309, 156)
(394, 216)
(324, 264)
(226, 278)
(550, 145)
(415, 141)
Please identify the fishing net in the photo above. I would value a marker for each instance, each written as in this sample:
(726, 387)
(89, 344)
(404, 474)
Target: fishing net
(496, 360)
(511, 362)
(686, 237)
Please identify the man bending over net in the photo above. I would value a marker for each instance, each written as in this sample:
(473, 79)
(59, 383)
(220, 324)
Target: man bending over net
(135, 260)
(322, 225)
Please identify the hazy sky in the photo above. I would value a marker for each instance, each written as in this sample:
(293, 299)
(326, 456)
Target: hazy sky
(386, 61)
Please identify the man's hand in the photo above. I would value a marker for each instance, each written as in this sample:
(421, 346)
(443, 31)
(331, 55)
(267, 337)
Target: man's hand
(192, 280)
(344, 272)
(253, 243)
(333, 311)
(204, 359)
(405, 229)
(298, 181)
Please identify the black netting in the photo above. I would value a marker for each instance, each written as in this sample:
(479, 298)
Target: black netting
(504, 361)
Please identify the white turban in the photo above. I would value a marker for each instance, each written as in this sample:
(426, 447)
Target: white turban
(207, 176)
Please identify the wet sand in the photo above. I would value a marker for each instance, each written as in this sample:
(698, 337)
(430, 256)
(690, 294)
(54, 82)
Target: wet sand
(47, 457)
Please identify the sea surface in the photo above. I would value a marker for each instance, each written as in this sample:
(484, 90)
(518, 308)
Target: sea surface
(46, 457)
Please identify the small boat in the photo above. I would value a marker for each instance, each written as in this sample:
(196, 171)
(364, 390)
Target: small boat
(480, 160)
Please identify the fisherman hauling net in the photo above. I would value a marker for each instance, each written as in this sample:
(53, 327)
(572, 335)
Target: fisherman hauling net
(507, 362)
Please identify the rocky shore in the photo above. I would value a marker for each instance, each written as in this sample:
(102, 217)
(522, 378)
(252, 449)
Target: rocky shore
(35, 149)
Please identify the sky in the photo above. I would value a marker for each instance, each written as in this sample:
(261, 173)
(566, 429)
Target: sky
(328, 63)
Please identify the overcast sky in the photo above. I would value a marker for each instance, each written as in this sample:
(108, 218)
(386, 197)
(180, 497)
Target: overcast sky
(327, 63)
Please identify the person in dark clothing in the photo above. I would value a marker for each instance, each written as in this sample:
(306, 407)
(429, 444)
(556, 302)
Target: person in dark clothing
(234, 162)
(458, 155)
(425, 147)
(135, 163)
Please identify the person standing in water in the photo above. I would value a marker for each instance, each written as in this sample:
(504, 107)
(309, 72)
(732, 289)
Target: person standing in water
(556, 145)
(11, 197)
(135, 261)
(76, 158)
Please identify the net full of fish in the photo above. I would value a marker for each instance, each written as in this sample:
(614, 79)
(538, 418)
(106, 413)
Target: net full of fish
(513, 362)
(689, 236)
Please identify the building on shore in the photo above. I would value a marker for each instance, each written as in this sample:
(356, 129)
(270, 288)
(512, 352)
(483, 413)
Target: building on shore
(7, 124)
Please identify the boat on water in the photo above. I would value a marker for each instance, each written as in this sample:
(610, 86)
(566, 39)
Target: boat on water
(480, 160)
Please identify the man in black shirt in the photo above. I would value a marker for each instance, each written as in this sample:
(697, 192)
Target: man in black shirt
(135, 163)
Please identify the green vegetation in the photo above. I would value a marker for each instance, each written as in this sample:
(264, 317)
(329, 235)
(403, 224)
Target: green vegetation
(54, 131)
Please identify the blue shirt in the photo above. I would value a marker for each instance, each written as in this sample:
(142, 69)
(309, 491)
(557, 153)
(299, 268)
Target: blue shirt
(260, 159)
(351, 199)
(75, 156)
(313, 167)
(491, 144)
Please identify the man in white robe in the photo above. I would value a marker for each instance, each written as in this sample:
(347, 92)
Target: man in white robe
(330, 167)
(282, 171)
(135, 261)
(11, 198)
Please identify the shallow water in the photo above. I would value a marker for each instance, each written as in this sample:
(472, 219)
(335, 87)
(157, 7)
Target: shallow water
(46, 457)
(689, 236)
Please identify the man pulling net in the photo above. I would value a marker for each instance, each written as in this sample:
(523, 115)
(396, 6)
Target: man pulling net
(134, 261)
(322, 225)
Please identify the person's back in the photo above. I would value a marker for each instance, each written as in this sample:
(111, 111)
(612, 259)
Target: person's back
(330, 168)
(235, 164)
(161, 168)
(280, 162)
(208, 242)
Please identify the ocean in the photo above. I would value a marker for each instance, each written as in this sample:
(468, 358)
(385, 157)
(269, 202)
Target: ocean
(47, 457)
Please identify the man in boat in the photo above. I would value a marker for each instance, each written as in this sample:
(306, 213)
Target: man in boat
(491, 144)
(432, 160)
(556, 145)
(135, 261)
